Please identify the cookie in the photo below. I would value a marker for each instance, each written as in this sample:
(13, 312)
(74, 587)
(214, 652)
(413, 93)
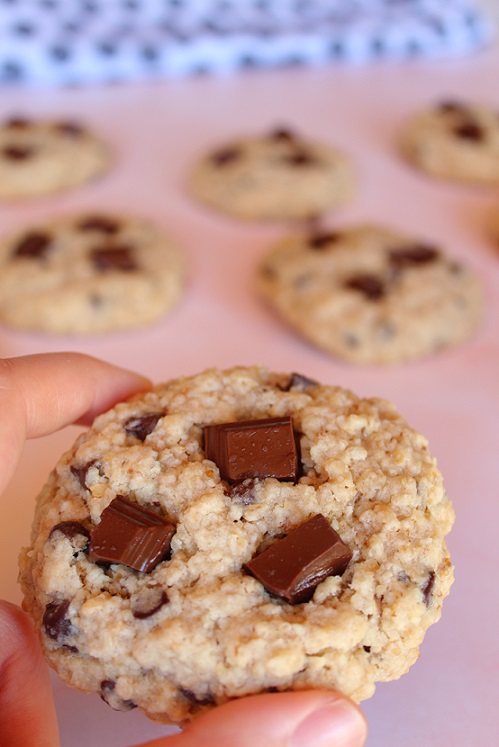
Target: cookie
(88, 274)
(40, 157)
(236, 532)
(278, 175)
(455, 141)
(370, 295)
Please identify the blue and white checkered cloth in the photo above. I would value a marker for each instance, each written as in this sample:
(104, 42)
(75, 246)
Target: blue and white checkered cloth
(68, 42)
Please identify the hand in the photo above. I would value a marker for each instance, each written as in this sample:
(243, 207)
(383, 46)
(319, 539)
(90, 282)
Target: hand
(38, 395)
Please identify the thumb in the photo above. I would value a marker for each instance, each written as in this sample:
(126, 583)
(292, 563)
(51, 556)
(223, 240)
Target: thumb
(314, 718)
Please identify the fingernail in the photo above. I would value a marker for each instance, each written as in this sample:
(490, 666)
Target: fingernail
(339, 724)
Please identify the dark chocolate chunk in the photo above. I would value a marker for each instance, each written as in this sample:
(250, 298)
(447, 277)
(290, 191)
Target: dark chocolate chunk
(56, 622)
(189, 695)
(148, 601)
(100, 223)
(367, 649)
(70, 529)
(244, 492)
(293, 567)
(415, 255)
(72, 129)
(131, 535)
(34, 244)
(369, 285)
(81, 472)
(469, 131)
(141, 426)
(428, 589)
(298, 381)
(225, 155)
(17, 152)
(108, 695)
(253, 448)
(119, 258)
(323, 240)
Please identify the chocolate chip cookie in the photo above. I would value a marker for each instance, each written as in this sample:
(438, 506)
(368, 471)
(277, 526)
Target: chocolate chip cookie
(367, 294)
(88, 274)
(40, 157)
(279, 175)
(238, 532)
(454, 140)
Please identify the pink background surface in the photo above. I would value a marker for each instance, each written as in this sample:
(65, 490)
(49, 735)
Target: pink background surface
(450, 696)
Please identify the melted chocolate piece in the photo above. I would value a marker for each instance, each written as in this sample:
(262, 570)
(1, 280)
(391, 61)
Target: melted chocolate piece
(469, 131)
(81, 472)
(293, 567)
(34, 245)
(412, 256)
(298, 381)
(17, 152)
(189, 695)
(148, 601)
(369, 285)
(323, 240)
(99, 223)
(141, 426)
(70, 529)
(105, 258)
(130, 535)
(56, 623)
(225, 155)
(253, 448)
(108, 695)
(244, 492)
(428, 589)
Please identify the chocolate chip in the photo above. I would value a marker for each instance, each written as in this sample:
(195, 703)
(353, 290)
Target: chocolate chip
(34, 244)
(298, 381)
(323, 240)
(369, 285)
(283, 134)
(131, 535)
(189, 695)
(253, 448)
(80, 472)
(225, 155)
(17, 152)
(300, 158)
(415, 255)
(70, 529)
(17, 123)
(148, 601)
(105, 258)
(244, 492)
(367, 649)
(56, 623)
(71, 129)
(428, 589)
(100, 223)
(469, 131)
(292, 567)
(141, 426)
(108, 695)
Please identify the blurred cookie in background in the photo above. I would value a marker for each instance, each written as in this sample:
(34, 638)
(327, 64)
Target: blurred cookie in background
(88, 274)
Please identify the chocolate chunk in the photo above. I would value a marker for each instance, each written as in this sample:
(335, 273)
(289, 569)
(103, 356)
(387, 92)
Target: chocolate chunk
(253, 448)
(17, 152)
(300, 158)
(292, 567)
(189, 695)
(369, 285)
(428, 589)
(56, 623)
(70, 529)
(418, 254)
(34, 244)
(130, 535)
(148, 601)
(225, 155)
(323, 240)
(244, 492)
(72, 129)
(141, 426)
(108, 695)
(100, 223)
(119, 258)
(298, 381)
(283, 134)
(81, 472)
(469, 131)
